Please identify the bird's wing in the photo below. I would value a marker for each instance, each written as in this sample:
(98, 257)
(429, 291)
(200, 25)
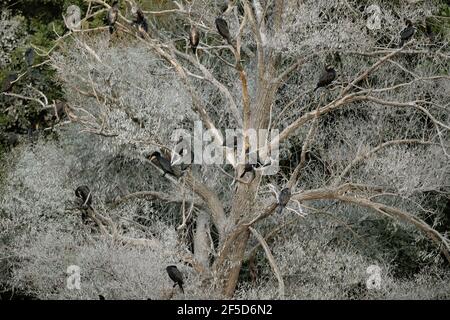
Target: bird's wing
(407, 33)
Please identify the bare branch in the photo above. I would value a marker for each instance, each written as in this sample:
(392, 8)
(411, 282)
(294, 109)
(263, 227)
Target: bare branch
(272, 262)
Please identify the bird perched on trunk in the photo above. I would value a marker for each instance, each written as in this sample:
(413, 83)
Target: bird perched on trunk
(8, 82)
(163, 163)
(283, 199)
(194, 38)
(327, 77)
(222, 27)
(247, 168)
(84, 193)
(113, 13)
(407, 33)
(176, 276)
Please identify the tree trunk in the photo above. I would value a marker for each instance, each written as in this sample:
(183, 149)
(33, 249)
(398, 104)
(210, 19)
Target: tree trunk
(228, 265)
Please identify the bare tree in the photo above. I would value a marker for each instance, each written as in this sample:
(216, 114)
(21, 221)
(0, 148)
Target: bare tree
(385, 115)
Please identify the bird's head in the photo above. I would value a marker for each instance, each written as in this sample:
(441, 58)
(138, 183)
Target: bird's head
(408, 22)
(329, 67)
(80, 190)
(154, 155)
(171, 267)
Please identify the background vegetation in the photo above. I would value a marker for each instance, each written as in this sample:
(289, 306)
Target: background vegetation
(324, 255)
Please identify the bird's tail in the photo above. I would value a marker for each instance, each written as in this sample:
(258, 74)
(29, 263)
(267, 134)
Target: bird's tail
(180, 284)
(111, 29)
(402, 42)
(194, 49)
(316, 89)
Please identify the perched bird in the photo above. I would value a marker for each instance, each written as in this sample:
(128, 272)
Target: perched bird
(8, 82)
(326, 78)
(85, 195)
(163, 163)
(247, 168)
(73, 17)
(429, 32)
(407, 33)
(194, 39)
(176, 276)
(141, 22)
(222, 27)
(29, 57)
(113, 13)
(283, 199)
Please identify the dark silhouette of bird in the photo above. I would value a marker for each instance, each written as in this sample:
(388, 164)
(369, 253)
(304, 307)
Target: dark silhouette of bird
(141, 22)
(29, 57)
(84, 193)
(194, 38)
(100, 297)
(429, 32)
(176, 276)
(222, 27)
(326, 78)
(8, 82)
(113, 13)
(283, 199)
(163, 163)
(407, 33)
(247, 168)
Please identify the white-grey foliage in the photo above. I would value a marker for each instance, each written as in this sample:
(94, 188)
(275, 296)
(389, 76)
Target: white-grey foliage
(125, 100)
(11, 35)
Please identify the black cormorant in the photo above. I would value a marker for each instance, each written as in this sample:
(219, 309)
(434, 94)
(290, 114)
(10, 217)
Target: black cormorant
(194, 38)
(163, 163)
(283, 199)
(113, 13)
(247, 168)
(141, 22)
(222, 27)
(326, 78)
(176, 276)
(407, 33)
(85, 195)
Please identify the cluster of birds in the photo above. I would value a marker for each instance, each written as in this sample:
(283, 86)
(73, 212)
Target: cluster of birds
(140, 20)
